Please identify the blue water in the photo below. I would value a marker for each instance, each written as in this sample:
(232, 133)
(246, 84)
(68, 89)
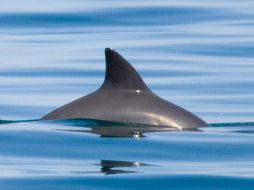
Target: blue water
(197, 54)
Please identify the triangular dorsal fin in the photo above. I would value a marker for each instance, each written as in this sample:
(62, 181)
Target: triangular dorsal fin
(120, 74)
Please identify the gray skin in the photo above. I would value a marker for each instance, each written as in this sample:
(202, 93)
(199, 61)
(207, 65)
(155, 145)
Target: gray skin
(124, 97)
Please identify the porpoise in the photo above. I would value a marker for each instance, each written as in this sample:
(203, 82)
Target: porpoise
(124, 97)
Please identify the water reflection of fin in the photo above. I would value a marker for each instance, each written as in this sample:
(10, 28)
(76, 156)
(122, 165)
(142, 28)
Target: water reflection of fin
(109, 166)
(133, 132)
(112, 129)
(116, 132)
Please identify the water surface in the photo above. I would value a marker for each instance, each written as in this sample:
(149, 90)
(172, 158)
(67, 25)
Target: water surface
(197, 54)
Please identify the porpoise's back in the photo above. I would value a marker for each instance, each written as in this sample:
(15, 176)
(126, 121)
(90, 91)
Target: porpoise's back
(124, 97)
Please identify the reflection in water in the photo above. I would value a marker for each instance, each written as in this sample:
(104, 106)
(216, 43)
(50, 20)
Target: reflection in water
(63, 168)
(120, 131)
(103, 128)
(112, 129)
(130, 130)
(108, 166)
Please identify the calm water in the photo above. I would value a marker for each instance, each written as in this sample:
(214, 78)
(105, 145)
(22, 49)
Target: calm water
(197, 54)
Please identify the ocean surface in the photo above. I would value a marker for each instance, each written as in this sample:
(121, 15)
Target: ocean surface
(198, 54)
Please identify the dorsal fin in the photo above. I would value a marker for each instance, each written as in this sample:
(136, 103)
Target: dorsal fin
(120, 74)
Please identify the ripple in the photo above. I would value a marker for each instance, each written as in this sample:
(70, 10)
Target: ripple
(110, 17)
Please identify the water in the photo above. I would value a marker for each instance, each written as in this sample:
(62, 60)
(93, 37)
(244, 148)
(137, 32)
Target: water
(197, 54)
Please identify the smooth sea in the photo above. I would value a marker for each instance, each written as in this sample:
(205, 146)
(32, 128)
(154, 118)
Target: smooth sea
(198, 54)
